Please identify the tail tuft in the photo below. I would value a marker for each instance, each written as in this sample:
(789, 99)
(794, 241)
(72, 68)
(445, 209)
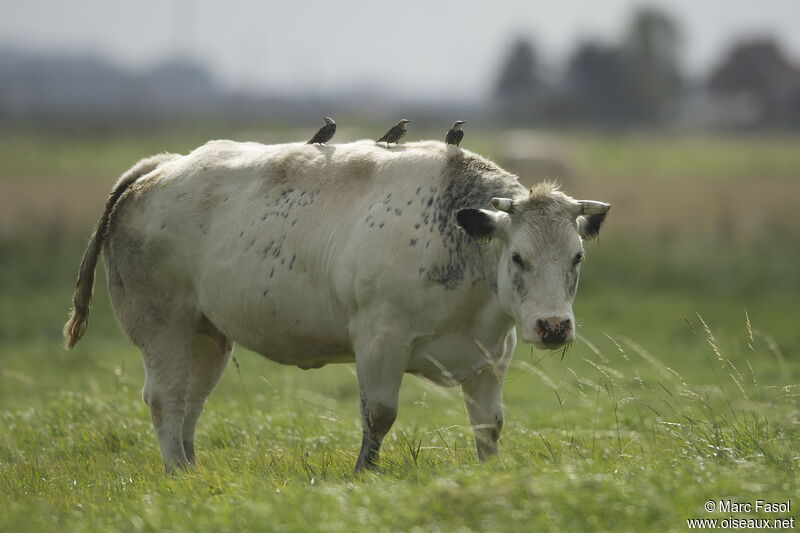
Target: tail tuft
(75, 326)
(82, 297)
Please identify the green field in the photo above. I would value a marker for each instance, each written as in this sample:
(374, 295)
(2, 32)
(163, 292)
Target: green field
(683, 387)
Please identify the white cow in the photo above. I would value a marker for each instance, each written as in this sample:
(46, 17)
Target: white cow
(416, 259)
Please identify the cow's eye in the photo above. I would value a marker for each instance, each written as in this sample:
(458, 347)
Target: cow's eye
(578, 258)
(517, 259)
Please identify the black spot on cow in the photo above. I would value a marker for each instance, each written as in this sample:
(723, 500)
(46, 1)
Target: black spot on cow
(518, 283)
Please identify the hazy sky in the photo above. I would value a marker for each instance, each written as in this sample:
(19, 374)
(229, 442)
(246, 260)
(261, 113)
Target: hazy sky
(407, 48)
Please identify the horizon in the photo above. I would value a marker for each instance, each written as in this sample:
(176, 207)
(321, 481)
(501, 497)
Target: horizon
(241, 58)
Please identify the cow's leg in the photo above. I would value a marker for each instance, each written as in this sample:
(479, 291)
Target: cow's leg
(381, 360)
(483, 397)
(167, 368)
(210, 354)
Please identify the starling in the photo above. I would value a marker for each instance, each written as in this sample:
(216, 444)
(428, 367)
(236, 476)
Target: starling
(325, 133)
(456, 133)
(395, 134)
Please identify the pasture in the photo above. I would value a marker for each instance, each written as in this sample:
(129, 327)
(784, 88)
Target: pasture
(682, 388)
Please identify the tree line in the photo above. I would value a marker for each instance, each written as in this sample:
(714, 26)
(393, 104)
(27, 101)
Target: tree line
(640, 80)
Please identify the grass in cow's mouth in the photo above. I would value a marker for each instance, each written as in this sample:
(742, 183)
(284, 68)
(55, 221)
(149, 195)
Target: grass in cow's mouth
(564, 350)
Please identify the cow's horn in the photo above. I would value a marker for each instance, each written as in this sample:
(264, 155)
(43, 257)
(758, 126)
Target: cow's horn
(590, 207)
(503, 204)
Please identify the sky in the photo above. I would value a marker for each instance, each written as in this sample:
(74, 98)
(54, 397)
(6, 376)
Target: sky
(407, 49)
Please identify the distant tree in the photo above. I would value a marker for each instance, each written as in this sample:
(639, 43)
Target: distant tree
(760, 70)
(600, 85)
(518, 86)
(69, 85)
(652, 49)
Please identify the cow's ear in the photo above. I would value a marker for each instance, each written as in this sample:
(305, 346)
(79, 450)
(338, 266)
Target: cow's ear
(591, 216)
(481, 224)
(589, 226)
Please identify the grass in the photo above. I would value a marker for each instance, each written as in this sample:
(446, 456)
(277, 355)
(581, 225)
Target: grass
(728, 158)
(681, 389)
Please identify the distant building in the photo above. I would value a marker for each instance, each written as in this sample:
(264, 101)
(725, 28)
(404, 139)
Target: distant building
(757, 85)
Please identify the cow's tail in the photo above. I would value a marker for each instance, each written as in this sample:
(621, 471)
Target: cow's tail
(82, 297)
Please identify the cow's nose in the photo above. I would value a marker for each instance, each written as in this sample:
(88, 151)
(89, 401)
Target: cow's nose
(553, 330)
(553, 323)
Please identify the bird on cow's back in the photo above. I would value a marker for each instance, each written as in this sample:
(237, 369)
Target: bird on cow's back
(395, 133)
(325, 133)
(456, 133)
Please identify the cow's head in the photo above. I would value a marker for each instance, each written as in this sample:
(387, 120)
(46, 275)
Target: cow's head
(541, 240)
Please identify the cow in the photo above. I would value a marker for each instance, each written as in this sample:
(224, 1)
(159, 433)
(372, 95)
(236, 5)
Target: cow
(417, 259)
